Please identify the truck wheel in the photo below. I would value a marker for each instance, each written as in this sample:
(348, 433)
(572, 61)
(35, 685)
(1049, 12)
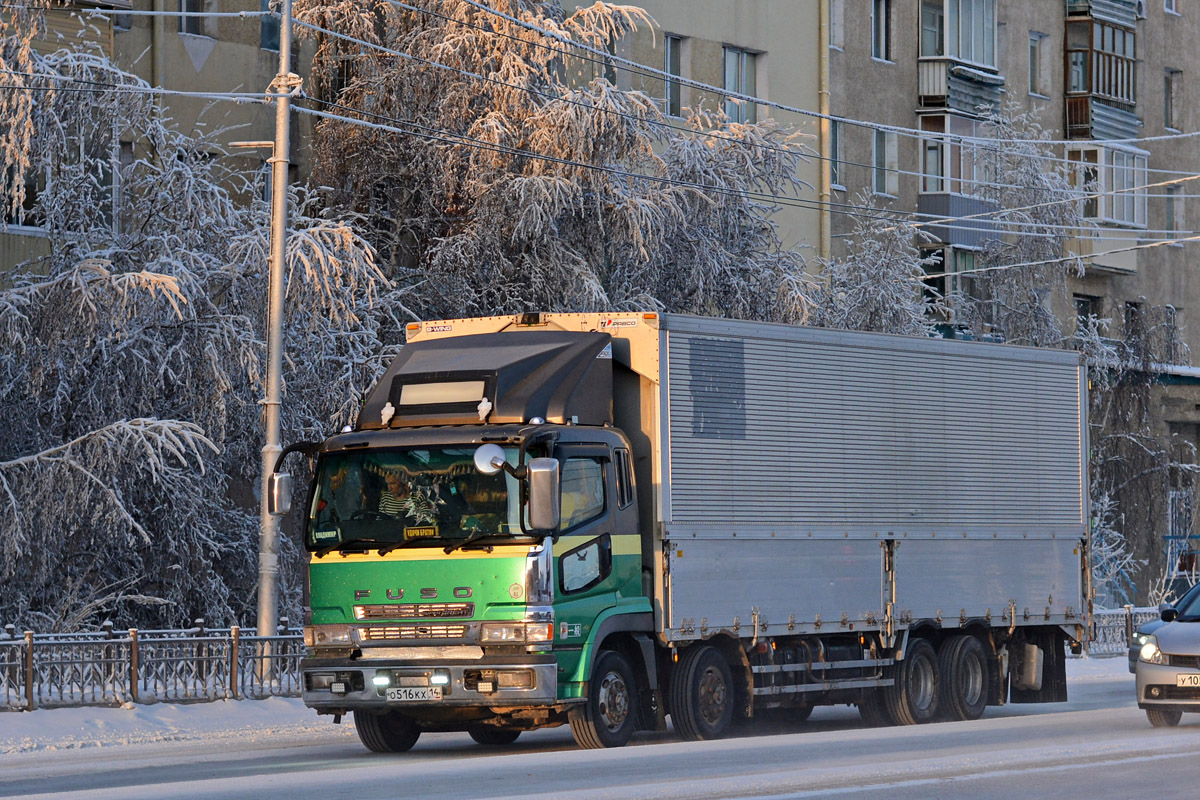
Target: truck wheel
(609, 716)
(494, 737)
(701, 694)
(1164, 717)
(874, 711)
(913, 698)
(390, 732)
(963, 673)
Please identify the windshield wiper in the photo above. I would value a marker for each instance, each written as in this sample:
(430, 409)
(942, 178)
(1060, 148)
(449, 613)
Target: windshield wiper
(390, 546)
(474, 537)
(324, 551)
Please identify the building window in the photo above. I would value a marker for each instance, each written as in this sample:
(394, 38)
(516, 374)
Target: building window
(740, 79)
(197, 25)
(1172, 79)
(933, 28)
(269, 29)
(948, 164)
(1169, 7)
(672, 65)
(884, 162)
(1037, 78)
(1101, 60)
(881, 36)
(835, 154)
(1118, 178)
(1086, 307)
(1173, 203)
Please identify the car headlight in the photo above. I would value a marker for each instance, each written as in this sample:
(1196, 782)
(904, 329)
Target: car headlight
(1150, 652)
(1140, 639)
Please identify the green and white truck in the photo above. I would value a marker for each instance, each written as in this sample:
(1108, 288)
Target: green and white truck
(607, 521)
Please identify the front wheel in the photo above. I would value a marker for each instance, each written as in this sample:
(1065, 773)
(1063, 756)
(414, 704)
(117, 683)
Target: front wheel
(702, 699)
(390, 732)
(1164, 717)
(609, 715)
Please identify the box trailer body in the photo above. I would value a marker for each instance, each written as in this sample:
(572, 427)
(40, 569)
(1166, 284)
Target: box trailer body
(806, 509)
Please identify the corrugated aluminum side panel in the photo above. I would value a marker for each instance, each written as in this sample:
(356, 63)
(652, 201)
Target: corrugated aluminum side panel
(794, 432)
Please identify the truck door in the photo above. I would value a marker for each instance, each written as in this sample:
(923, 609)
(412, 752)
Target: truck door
(585, 578)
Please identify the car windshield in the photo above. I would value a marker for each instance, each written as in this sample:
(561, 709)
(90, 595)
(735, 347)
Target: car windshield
(434, 495)
(1189, 606)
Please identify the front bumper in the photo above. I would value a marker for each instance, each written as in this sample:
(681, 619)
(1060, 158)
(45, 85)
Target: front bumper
(1157, 685)
(472, 683)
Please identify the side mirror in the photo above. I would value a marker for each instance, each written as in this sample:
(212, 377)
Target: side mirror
(1167, 612)
(279, 494)
(543, 494)
(489, 459)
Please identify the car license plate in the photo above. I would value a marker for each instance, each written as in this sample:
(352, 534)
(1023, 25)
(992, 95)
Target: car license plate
(1188, 679)
(406, 694)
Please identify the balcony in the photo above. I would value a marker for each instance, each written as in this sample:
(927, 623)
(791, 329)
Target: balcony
(947, 83)
(1089, 117)
(1092, 246)
(970, 233)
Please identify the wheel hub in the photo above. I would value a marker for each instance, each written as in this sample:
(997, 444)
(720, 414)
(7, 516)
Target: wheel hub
(612, 701)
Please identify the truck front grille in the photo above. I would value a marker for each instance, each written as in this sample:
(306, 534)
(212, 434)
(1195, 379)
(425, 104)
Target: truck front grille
(414, 610)
(378, 633)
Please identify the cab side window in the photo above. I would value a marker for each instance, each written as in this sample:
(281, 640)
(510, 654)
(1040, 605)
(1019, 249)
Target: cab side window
(586, 565)
(582, 491)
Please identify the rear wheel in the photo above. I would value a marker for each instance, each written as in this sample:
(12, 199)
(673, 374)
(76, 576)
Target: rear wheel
(390, 732)
(913, 698)
(494, 737)
(701, 694)
(609, 715)
(963, 673)
(873, 709)
(1164, 717)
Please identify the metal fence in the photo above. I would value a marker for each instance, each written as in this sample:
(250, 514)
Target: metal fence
(1112, 629)
(110, 667)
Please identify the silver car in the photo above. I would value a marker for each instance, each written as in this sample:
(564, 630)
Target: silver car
(1168, 668)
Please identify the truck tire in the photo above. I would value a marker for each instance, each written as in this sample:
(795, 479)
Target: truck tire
(913, 698)
(390, 732)
(1164, 717)
(874, 710)
(701, 693)
(963, 674)
(609, 715)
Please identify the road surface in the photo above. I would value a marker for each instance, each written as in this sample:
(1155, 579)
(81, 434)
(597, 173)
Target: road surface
(1097, 745)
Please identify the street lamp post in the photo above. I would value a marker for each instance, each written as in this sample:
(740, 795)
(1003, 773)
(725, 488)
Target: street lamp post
(268, 541)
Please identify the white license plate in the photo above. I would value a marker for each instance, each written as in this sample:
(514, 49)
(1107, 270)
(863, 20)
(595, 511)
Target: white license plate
(1188, 679)
(405, 694)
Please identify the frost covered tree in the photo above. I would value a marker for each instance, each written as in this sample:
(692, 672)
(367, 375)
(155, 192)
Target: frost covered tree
(879, 285)
(130, 354)
(501, 171)
(1036, 217)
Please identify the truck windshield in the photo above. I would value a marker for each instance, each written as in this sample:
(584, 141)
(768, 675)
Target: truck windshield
(412, 496)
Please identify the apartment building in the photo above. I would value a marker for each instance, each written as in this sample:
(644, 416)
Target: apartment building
(1088, 71)
(765, 48)
(181, 53)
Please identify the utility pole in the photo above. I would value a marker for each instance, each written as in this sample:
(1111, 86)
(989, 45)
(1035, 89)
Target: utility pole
(268, 541)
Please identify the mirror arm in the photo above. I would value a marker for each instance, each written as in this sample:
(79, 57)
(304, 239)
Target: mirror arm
(308, 448)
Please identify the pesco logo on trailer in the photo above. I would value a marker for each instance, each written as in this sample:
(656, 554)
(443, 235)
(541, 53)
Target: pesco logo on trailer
(618, 323)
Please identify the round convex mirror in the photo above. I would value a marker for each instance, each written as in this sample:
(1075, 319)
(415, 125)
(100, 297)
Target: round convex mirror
(489, 458)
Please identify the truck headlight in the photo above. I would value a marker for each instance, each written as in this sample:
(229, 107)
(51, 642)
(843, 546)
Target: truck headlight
(327, 635)
(1150, 652)
(516, 632)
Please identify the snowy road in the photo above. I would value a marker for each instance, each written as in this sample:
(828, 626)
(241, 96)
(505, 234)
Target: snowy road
(1098, 745)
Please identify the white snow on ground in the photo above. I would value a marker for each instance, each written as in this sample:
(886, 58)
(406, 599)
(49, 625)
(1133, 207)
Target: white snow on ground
(252, 720)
